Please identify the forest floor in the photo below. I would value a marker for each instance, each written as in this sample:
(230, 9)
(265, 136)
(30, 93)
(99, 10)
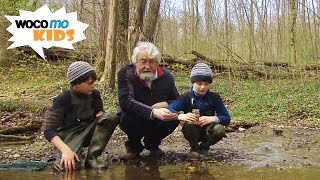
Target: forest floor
(288, 103)
(269, 144)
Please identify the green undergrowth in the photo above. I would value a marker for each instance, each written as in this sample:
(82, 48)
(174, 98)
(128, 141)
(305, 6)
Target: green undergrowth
(33, 85)
(260, 99)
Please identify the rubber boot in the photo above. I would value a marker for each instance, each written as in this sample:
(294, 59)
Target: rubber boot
(192, 134)
(213, 134)
(103, 131)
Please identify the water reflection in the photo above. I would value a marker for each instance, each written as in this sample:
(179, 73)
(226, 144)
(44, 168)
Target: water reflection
(151, 170)
(198, 170)
(142, 170)
(68, 175)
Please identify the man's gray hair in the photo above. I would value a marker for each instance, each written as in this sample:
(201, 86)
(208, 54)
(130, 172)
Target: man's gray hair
(151, 49)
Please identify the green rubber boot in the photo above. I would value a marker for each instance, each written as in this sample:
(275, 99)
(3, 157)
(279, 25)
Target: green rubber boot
(104, 129)
(213, 134)
(192, 134)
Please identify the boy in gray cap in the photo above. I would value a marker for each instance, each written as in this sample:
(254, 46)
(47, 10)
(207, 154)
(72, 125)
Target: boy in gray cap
(205, 115)
(77, 119)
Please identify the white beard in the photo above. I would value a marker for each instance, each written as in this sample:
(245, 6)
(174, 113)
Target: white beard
(147, 77)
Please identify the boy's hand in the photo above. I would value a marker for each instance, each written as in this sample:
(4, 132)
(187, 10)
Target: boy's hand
(99, 113)
(204, 120)
(68, 160)
(189, 117)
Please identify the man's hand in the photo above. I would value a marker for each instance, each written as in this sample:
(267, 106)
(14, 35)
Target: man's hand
(162, 104)
(204, 120)
(189, 117)
(164, 114)
(68, 160)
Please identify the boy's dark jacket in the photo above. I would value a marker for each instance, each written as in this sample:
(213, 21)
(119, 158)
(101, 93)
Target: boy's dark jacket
(210, 104)
(69, 109)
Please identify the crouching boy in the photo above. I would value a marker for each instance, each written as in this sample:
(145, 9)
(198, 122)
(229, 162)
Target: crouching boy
(76, 120)
(204, 112)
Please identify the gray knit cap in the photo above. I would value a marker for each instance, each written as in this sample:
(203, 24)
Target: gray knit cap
(201, 72)
(79, 69)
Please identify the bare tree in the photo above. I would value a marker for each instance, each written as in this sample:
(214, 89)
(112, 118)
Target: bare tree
(151, 19)
(251, 29)
(226, 33)
(136, 22)
(122, 53)
(110, 62)
(100, 62)
(293, 20)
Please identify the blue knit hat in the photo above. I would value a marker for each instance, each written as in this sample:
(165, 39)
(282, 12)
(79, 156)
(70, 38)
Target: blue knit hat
(201, 72)
(79, 71)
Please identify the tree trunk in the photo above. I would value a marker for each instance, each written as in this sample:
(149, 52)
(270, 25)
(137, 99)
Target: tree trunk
(208, 17)
(100, 62)
(293, 19)
(226, 34)
(316, 29)
(193, 46)
(279, 42)
(151, 20)
(122, 49)
(197, 24)
(110, 61)
(251, 30)
(136, 22)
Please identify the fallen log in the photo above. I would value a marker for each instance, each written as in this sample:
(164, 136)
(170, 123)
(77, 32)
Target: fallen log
(312, 68)
(170, 60)
(4, 137)
(60, 53)
(210, 62)
(238, 124)
(276, 64)
(20, 129)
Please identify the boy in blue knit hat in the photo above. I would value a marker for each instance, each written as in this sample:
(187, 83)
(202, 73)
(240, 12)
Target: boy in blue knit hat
(205, 115)
(77, 119)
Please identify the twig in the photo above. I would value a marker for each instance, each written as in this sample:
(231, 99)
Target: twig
(20, 129)
(233, 53)
(12, 115)
(13, 138)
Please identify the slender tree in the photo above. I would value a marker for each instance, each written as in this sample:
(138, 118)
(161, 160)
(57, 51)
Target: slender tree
(100, 61)
(122, 48)
(151, 19)
(136, 22)
(110, 61)
(293, 20)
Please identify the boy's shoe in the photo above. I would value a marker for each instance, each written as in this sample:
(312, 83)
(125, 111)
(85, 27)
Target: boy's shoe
(129, 155)
(194, 155)
(156, 152)
(96, 164)
(204, 153)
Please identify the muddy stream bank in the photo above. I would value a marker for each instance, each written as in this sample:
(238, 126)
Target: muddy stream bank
(257, 149)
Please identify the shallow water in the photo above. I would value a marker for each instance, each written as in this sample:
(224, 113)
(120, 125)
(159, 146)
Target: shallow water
(153, 172)
(259, 155)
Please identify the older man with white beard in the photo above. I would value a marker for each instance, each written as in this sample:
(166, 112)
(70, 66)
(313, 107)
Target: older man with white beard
(144, 90)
